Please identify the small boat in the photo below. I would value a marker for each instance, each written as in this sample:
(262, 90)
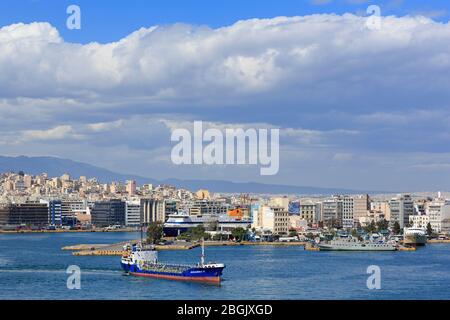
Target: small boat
(143, 261)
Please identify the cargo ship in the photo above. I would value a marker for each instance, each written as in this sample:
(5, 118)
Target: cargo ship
(143, 261)
(414, 236)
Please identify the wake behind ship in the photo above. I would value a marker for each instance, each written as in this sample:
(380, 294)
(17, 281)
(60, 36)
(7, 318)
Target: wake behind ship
(143, 261)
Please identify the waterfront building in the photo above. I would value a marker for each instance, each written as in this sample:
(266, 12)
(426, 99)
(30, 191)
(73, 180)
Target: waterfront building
(309, 211)
(331, 212)
(381, 206)
(54, 212)
(69, 210)
(108, 213)
(438, 212)
(419, 221)
(152, 210)
(272, 219)
(401, 207)
(133, 213)
(347, 211)
(361, 207)
(297, 223)
(29, 214)
(206, 207)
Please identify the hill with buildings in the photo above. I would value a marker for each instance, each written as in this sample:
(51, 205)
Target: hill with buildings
(54, 167)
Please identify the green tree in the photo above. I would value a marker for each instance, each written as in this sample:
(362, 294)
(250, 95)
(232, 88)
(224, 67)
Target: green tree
(371, 228)
(154, 232)
(292, 233)
(195, 233)
(382, 225)
(429, 229)
(396, 228)
(238, 234)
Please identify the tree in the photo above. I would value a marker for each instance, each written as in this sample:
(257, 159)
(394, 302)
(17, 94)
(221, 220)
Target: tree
(371, 228)
(154, 232)
(382, 225)
(195, 233)
(238, 234)
(429, 229)
(396, 228)
(292, 233)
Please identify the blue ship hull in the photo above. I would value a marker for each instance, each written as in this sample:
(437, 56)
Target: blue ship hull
(185, 273)
(174, 231)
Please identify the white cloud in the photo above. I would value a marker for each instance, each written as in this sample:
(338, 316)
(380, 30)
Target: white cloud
(56, 133)
(357, 88)
(281, 57)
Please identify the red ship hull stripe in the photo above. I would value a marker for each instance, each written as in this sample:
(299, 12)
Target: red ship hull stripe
(181, 278)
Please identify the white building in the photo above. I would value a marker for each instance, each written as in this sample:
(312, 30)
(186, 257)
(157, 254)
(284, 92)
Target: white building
(419, 221)
(272, 219)
(438, 212)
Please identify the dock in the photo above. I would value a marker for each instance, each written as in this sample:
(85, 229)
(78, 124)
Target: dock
(432, 241)
(117, 248)
(310, 247)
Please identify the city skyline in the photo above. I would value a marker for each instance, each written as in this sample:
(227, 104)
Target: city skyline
(356, 108)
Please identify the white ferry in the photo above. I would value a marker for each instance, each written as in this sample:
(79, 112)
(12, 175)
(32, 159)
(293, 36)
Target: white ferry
(414, 236)
(181, 222)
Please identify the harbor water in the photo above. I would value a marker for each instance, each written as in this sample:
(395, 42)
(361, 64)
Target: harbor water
(33, 266)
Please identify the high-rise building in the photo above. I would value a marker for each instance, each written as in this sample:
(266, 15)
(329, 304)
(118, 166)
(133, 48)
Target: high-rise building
(361, 207)
(27, 180)
(131, 187)
(401, 207)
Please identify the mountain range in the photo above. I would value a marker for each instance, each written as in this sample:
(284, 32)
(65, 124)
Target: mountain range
(56, 167)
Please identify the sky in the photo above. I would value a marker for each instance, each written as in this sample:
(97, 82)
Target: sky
(357, 107)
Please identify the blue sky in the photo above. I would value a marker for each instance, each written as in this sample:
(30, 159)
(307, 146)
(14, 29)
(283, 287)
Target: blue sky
(106, 21)
(356, 107)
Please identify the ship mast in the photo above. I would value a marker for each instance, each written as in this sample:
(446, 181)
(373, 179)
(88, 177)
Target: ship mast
(202, 257)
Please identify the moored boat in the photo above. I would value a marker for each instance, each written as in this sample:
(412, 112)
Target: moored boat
(351, 244)
(414, 236)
